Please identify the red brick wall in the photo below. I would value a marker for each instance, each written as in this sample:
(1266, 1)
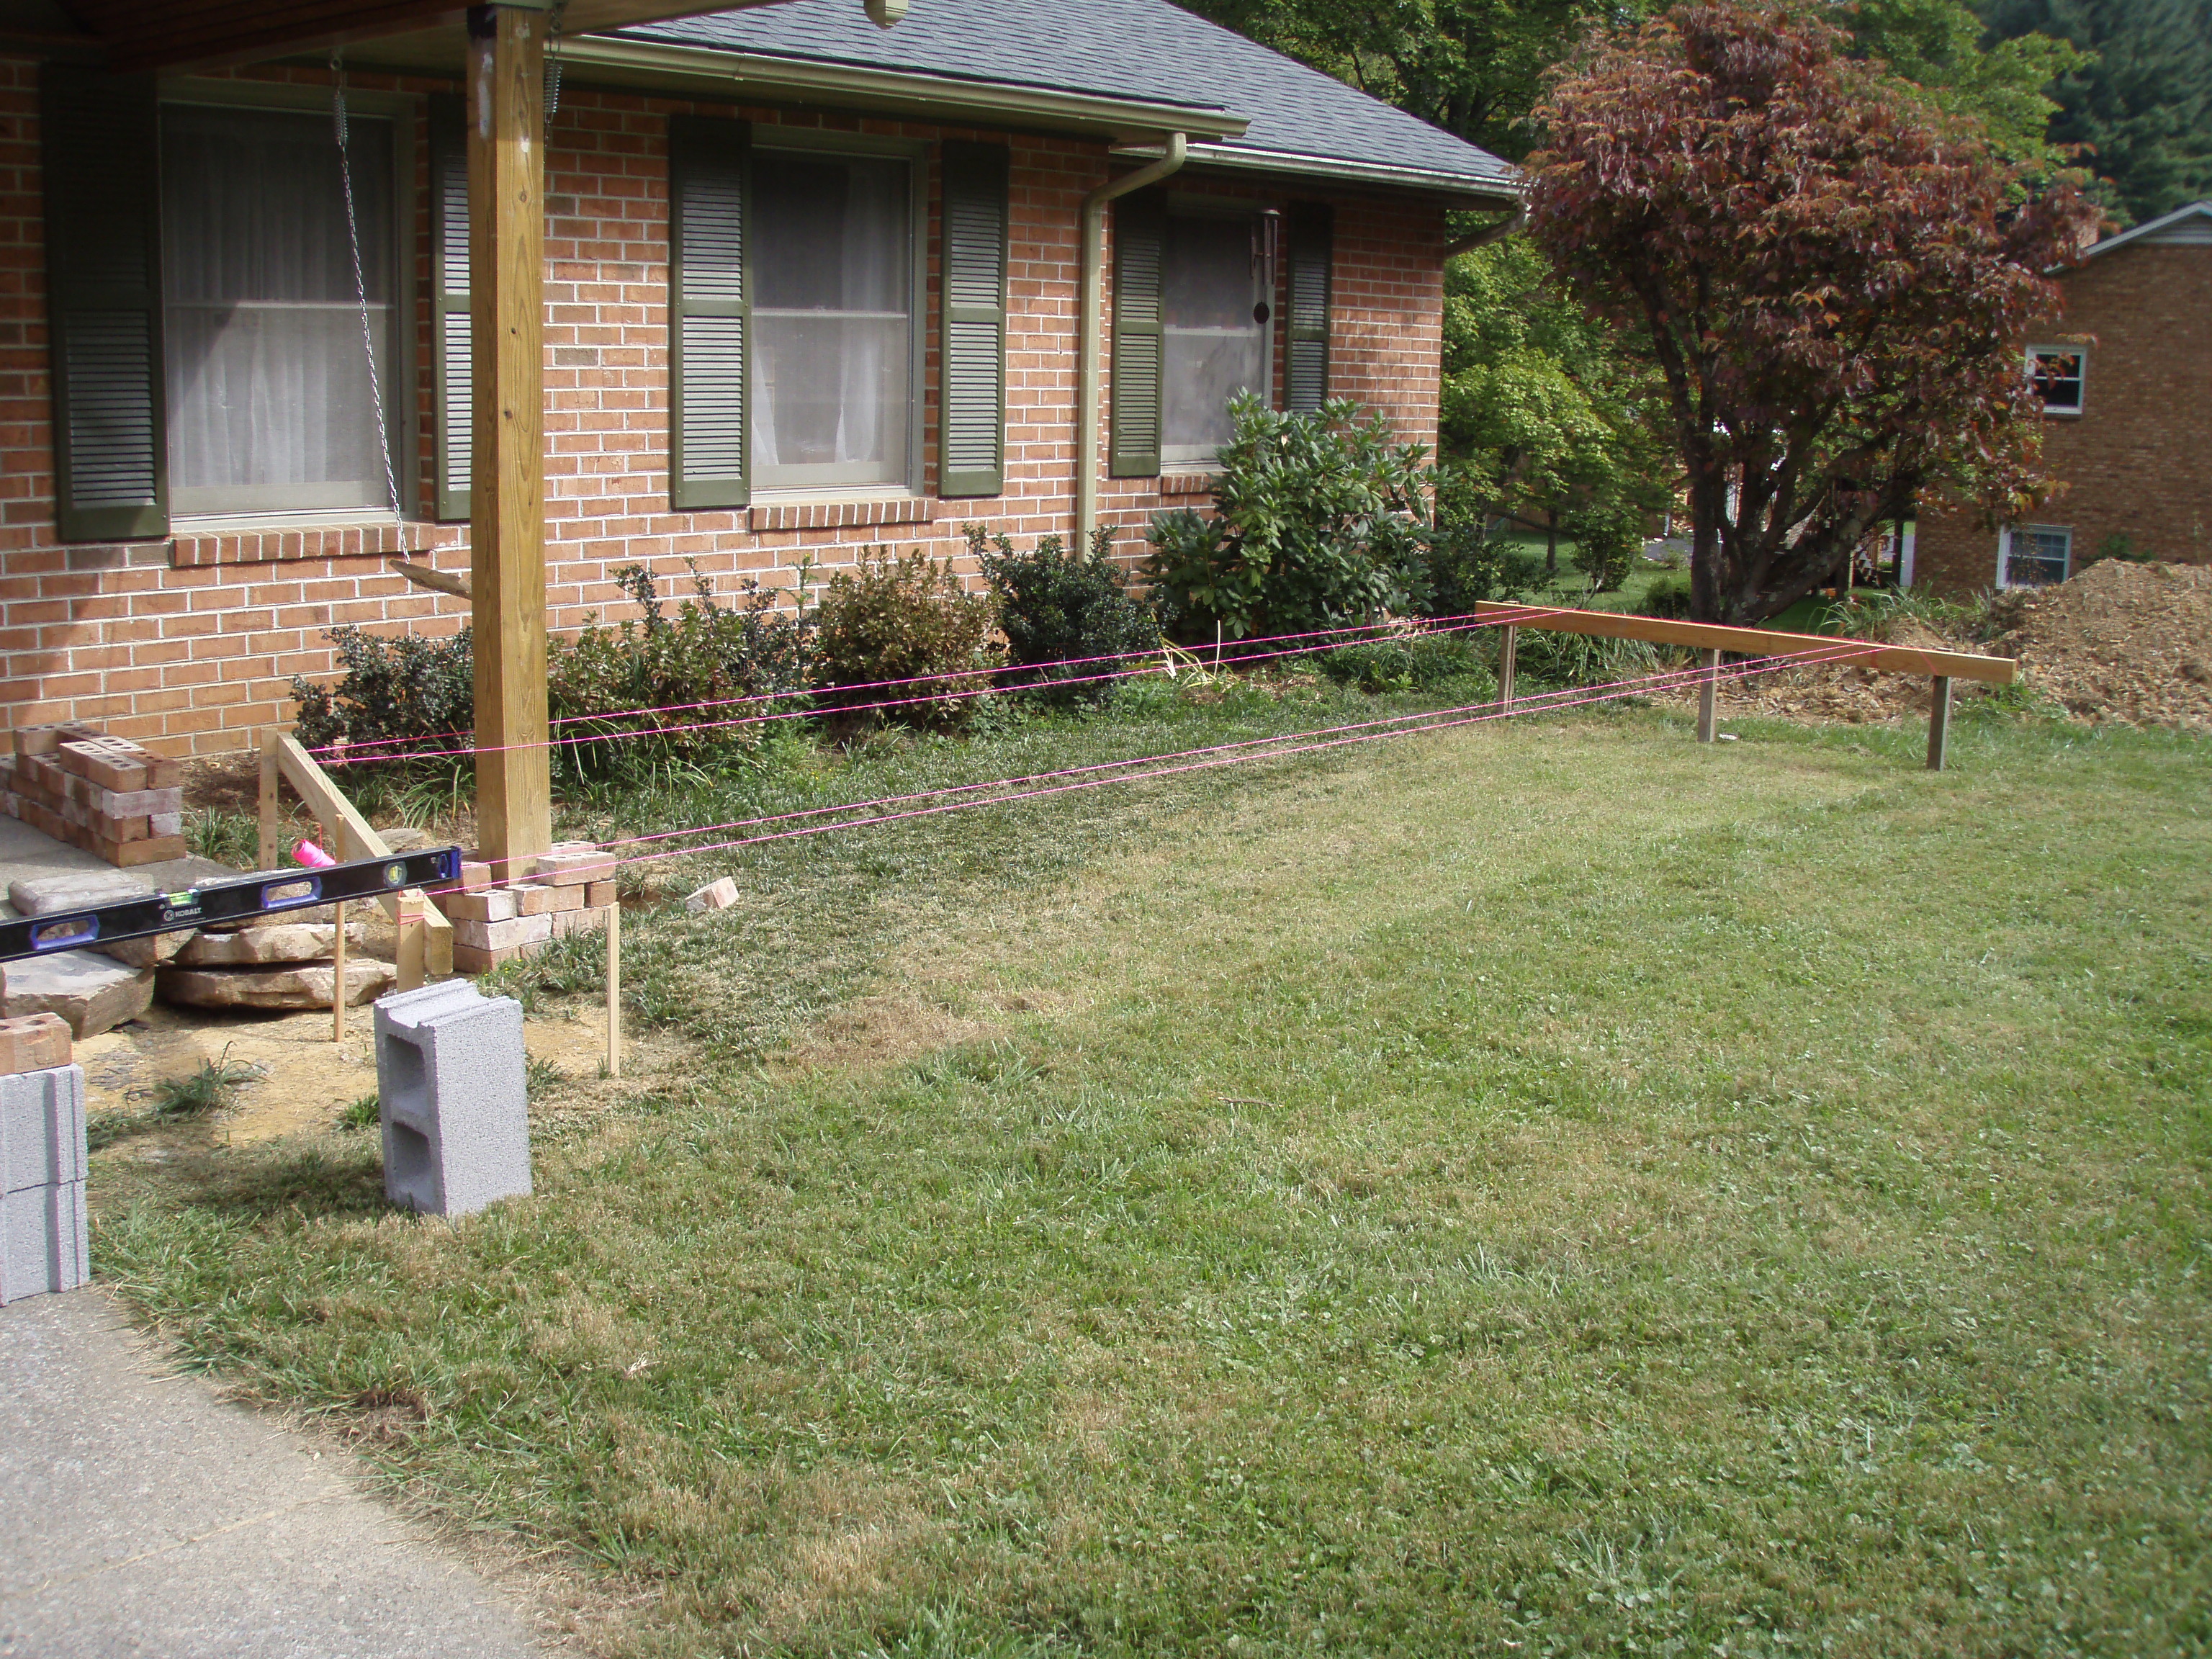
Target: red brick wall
(2135, 461)
(190, 641)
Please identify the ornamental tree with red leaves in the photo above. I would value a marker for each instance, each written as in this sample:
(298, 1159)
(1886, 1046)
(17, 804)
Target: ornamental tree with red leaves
(1835, 279)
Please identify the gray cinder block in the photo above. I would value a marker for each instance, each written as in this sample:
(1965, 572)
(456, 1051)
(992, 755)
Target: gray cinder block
(449, 1082)
(41, 1128)
(43, 1244)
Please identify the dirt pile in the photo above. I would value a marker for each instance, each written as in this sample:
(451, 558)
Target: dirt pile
(2122, 641)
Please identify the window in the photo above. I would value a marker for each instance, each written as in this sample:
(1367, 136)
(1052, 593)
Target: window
(2057, 371)
(2034, 555)
(1215, 285)
(833, 318)
(271, 403)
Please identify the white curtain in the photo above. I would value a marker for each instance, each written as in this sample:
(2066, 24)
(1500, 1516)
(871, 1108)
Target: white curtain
(832, 316)
(271, 405)
(1214, 345)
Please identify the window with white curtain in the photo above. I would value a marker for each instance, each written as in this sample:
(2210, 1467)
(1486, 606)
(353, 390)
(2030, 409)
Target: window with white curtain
(272, 408)
(1214, 329)
(833, 320)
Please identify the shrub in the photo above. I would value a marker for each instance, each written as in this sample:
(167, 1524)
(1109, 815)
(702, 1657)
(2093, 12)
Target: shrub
(705, 652)
(1054, 607)
(1607, 535)
(906, 620)
(1409, 662)
(1465, 564)
(1321, 520)
(1669, 599)
(394, 686)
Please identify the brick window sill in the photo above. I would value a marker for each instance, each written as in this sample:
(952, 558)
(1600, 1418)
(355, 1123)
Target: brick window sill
(189, 549)
(840, 515)
(1188, 483)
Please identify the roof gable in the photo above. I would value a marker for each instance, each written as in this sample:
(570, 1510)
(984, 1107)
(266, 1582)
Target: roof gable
(1143, 50)
(2184, 226)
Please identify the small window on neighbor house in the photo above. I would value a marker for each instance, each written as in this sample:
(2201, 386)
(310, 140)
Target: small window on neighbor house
(2034, 555)
(1214, 329)
(2056, 371)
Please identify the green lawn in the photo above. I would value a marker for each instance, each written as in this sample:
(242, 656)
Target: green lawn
(1552, 1187)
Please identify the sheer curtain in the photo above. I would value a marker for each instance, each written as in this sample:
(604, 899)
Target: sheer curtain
(270, 408)
(832, 316)
(1213, 347)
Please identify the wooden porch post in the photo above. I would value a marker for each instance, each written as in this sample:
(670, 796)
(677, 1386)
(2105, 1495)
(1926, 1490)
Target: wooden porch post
(507, 521)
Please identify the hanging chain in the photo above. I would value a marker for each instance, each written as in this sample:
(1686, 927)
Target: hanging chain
(553, 59)
(361, 283)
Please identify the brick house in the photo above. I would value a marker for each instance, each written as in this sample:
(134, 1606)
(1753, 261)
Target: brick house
(2126, 382)
(858, 324)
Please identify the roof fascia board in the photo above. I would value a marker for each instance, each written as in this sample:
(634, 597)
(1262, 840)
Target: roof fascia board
(786, 79)
(2149, 228)
(1504, 193)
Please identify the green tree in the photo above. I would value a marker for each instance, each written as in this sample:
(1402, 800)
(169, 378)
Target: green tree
(1942, 47)
(2137, 97)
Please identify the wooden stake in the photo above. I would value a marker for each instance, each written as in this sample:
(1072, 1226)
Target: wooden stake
(1708, 693)
(614, 989)
(338, 979)
(506, 524)
(1939, 722)
(269, 851)
(1507, 640)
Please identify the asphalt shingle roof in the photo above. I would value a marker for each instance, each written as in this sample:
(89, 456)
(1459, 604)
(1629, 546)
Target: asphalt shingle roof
(1135, 49)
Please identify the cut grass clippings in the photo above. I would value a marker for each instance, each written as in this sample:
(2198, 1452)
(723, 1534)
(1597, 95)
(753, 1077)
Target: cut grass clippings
(1544, 1189)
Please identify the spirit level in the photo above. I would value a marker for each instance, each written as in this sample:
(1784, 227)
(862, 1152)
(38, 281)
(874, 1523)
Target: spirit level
(269, 892)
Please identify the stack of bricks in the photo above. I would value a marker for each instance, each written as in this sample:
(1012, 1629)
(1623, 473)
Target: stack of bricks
(43, 1239)
(104, 794)
(568, 890)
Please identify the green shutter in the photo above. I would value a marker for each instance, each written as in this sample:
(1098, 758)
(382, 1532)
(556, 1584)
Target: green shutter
(972, 422)
(101, 148)
(709, 312)
(1313, 249)
(451, 346)
(1139, 238)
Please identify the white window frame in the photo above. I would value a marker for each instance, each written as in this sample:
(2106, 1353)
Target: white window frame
(401, 425)
(1183, 205)
(773, 140)
(2004, 551)
(2080, 378)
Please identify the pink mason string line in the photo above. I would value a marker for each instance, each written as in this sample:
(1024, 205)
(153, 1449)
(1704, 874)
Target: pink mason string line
(344, 754)
(1212, 756)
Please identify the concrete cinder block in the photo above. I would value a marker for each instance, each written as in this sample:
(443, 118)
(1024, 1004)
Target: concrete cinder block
(44, 1244)
(450, 1084)
(41, 1128)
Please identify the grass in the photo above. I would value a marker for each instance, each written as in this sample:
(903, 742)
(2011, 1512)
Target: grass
(212, 1087)
(1542, 1189)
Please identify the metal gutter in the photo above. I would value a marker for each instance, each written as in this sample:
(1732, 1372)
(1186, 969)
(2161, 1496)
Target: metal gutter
(1503, 193)
(942, 97)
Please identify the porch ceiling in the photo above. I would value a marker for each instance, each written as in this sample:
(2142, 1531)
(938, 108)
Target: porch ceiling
(172, 34)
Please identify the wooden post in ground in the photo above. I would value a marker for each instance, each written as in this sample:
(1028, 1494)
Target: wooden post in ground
(507, 521)
(1939, 721)
(338, 976)
(1508, 637)
(1709, 674)
(614, 989)
(270, 803)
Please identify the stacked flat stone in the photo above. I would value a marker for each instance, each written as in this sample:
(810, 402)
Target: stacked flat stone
(568, 890)
(106, 794)
(44, 1243)
(276, 965)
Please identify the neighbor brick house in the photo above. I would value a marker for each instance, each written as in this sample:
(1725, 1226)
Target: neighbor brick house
(768, 374)
(2126, 381)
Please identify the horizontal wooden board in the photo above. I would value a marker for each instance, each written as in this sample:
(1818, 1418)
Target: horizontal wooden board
(1755, 642)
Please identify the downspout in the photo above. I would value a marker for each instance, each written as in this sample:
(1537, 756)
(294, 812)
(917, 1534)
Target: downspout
(1092, 259)
(1489, 233)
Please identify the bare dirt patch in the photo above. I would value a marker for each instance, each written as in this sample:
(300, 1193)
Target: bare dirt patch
(2120, 642)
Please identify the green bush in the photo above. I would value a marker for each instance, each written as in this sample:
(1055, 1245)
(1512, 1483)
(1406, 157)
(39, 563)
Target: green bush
(1323, 521)
(1670, 599)
(704, 652)
(1054, 607)
(1410, 662)
(1465, 564)
(906, 620)
(1607, 535)
(390, 687)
